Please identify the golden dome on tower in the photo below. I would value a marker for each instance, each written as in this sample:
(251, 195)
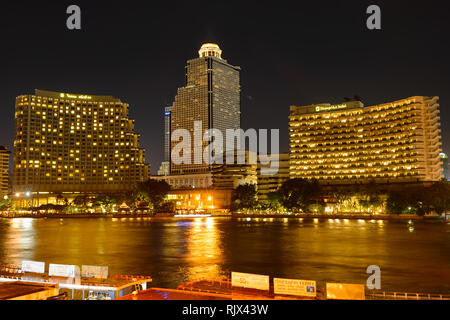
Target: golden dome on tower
(210, 50)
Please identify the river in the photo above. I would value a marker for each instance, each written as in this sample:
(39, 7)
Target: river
(413, 257)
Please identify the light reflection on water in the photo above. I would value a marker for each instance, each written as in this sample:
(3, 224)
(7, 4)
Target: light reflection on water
(413, 257)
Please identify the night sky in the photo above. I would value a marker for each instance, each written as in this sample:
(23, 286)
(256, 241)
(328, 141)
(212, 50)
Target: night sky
(295, 52)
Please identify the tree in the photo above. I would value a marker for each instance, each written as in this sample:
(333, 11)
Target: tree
(274, 201)
(420, 200)
(370, 196)
(81, 202)
(438, 197)
(398, 202)
(105, 202)
(130, 198)
(244, 197)
(5, 204)
(298, 194)
(155, 190)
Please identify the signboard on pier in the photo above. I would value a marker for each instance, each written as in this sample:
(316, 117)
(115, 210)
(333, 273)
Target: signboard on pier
(33, 266)
(94, 272)
(345, 291)
(63, 270)
(250, 281)
(306, 288)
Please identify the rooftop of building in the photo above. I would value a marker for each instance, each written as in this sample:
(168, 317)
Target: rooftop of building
(74, 96)
(349, 105)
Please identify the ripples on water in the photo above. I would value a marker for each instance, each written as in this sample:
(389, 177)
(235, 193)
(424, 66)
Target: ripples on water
(413, 257)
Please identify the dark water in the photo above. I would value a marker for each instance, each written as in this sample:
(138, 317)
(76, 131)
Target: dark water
(412, 258)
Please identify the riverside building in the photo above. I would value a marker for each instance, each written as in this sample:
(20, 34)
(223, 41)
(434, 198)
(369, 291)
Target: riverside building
(350, 143)
(70, 143)
(211, 95)
(268, 183)
(4, 171)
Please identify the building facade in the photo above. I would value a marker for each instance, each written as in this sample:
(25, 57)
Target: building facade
(444, 159)
(268, 183)
(349, 143)
(211, 95)
(71, 143)
(164, 170)
(4, 171)
(230, 176)
(187, 181)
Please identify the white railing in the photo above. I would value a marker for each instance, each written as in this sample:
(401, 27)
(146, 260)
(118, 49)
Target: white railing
(407, 296)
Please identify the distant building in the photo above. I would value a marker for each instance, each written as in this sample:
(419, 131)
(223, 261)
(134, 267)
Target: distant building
(4, 171)
(73, 143)
(211, 95)
(164, 170)
(230, 176)
(444, 159)
(349, 143)
(271, 183)
(187, 181)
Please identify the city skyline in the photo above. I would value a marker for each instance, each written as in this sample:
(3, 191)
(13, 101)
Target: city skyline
(247, 152)
(290, 62)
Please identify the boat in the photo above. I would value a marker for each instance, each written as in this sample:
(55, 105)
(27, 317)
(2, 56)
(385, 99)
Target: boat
(84, 286)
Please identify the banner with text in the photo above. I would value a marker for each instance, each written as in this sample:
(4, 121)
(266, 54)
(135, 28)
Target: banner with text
(33, 266)
(63, 270)
(249, 280)
(294, 287)
(94, 272)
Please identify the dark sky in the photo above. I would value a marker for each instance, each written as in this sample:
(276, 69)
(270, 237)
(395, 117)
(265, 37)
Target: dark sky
(290, 53)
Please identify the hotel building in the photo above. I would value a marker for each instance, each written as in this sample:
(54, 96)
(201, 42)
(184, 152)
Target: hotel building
(71, 143)
(211, 95)
(349, 143)
(4, 171)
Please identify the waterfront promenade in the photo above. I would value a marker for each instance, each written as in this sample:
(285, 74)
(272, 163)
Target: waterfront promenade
(350, 216)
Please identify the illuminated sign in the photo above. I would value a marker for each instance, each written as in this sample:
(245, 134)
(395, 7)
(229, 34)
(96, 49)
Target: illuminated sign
(294, 287)
(251, 281)
(344, 291)
(33, 266)
(167, 113)
(330, 108)
(73, 96)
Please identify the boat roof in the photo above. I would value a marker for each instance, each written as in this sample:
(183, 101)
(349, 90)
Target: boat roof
(112, 283)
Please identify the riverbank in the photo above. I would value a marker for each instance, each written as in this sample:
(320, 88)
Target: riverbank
(348, 216)
(339, 216)
(80, 216)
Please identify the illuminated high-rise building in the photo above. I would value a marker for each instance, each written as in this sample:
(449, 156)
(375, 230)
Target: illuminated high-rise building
(211, 95)
(66, 143)
(349, 143)
(4, 171)
(164, 170)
